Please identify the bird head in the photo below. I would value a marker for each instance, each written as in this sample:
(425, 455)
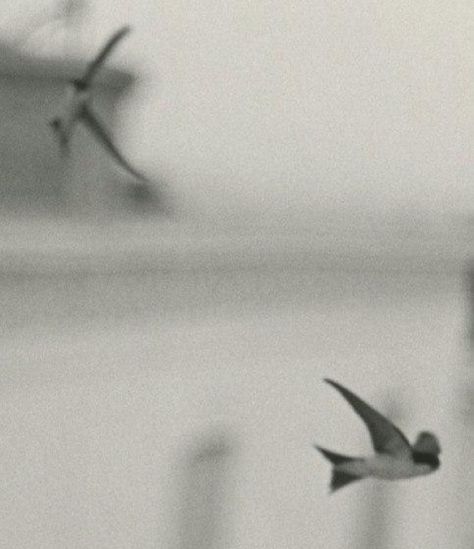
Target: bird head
(427, 443)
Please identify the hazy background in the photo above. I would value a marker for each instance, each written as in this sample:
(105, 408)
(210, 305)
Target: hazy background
(288, 109)
(162, 380)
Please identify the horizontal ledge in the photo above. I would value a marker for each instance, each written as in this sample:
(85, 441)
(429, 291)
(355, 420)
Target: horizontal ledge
(53, 248)
(16, 63)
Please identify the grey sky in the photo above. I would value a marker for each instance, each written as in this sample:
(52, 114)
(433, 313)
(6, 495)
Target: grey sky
(307, 104)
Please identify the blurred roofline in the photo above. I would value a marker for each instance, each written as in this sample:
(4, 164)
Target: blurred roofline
(14, 62)
(69, 247)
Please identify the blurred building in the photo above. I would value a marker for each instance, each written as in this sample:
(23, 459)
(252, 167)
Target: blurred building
(123, 343)
(34, 178)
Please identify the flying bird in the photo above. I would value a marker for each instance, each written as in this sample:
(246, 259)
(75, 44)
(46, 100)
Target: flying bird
(78, 108)
(394, 457)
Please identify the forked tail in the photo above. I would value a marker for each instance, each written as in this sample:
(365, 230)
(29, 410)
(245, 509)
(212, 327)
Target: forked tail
(339, 477)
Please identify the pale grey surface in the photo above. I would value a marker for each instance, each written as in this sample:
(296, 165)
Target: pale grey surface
(295, 107)
(341, 140)
(117, 371)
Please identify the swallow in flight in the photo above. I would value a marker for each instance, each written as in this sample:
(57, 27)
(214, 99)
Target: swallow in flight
(78, 108)
(394, 457)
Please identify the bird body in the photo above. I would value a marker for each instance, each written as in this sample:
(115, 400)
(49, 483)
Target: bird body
(77, 108)
(394, 457)
(384, 466)
(73, 105)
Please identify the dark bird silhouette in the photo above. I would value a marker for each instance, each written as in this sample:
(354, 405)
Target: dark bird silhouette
(394, 457)
(78, 108)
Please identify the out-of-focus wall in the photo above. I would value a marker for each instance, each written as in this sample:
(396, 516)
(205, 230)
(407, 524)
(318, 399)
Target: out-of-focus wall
(116, 369)
(34, 178)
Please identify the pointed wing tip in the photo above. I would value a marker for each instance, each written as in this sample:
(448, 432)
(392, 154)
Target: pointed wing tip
(124, 30)
(99, 132)
(345, 392)
(386, 437)
(330, 382)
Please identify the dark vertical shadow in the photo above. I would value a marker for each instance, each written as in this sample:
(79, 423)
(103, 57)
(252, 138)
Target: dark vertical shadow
(465, 408)
(465, 389)
(469, 285)
(376, 513)
(203, 493)
(374, 530)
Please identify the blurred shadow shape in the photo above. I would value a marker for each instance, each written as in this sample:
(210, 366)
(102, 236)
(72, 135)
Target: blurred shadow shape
(375, 520)
(146, 198)
(206, 467)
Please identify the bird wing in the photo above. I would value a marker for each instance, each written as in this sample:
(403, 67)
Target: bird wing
(95, 65)
(386, 437)
(91, 121)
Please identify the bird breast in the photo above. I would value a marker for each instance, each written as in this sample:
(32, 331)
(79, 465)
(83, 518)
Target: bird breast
(385, 467)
